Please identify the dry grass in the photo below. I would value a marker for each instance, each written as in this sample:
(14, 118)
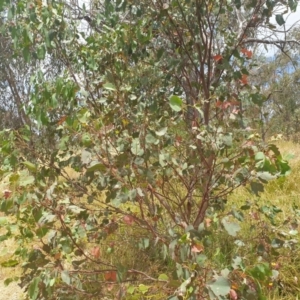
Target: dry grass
(284, 193)
(12, 291)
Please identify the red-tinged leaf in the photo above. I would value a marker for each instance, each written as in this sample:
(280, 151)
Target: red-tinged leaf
(244, 79)
(95, 252)
(244, 50)
(6, 194)
(217, 57)
(207, 222)
(61, 120)
(235, 111)
(233, 295)
(57, 256)
(197, 248)
(110, 276)
(178, 141)
(235, 102)
(223, 105)
(247, 52)
(219, 103)
(248, 144)
(129, 220)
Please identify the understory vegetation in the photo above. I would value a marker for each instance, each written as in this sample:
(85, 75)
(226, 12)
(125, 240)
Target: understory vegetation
(142, 149)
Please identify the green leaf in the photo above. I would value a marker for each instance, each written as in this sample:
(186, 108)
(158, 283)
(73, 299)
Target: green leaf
(3, 221)
(256, 187)
(175, 103)
(261, 271)
(47, 218)
(86, 140)
(26, 54)
(237, 4)
(259, 156)
(143, 288)
(227, 140)
(131, 289)
(109, 86)
(30, 166)
(96, 166)
(201, 258)
(65, 277)
(33, 290)
(277, 243)
(9, 263)
(237, 262)
(136, 148)
(3, 238)
(220, 287)
(86, 157)
(162, 131)
(163, 277)
(150, 139)
(7, 281)
(26, 180)
(265, 176)
(285, 169)
(293, 5)
(275, 149)
(41, 231)
(41, 52)
(230, 227)
(279, 19)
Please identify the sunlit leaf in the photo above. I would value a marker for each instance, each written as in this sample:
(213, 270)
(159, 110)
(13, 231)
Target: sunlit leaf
(34, 288)
(230, 227)
(161, 132)
(30, 166)
(163, 277)
(109, 86)
(9, 263)
(175, 103)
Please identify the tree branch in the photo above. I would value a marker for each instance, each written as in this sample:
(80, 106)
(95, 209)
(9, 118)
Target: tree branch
(270, 42)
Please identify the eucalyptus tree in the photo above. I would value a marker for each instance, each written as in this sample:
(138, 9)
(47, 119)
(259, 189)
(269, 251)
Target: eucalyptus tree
(147, 131)
(279, 76)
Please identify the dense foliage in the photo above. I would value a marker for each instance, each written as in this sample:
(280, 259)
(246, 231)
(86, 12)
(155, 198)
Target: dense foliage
(134, 130)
